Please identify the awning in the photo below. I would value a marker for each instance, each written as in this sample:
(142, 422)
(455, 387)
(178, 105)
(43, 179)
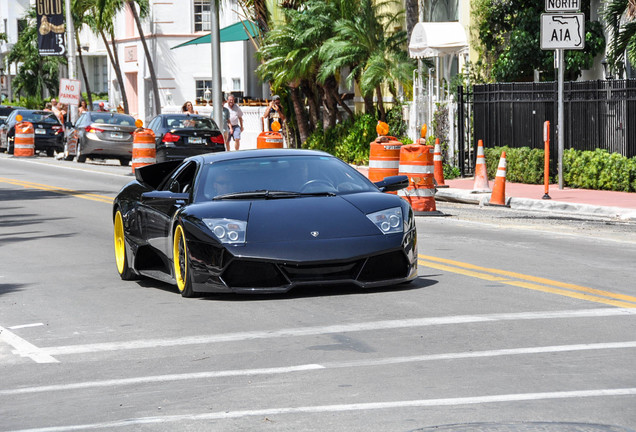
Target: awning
(231, 33)
(435, 39)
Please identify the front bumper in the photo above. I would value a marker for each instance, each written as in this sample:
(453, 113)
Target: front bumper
(364, 262)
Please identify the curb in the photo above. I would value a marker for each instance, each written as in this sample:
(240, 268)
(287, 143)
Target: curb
(482, 199)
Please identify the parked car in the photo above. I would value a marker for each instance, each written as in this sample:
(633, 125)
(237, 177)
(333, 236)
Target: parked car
(182, 135)
(100, 135)
(263, 221)
(48, 131)
(5, 110)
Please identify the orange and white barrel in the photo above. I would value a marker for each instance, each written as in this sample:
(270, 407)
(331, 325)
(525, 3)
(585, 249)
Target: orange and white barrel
(269, 139)
(416, 162)
(144, 149)
(24, 143)
(384, 159)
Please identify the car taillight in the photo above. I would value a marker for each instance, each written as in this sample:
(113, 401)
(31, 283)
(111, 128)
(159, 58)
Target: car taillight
(56, 129)
(93, 129)
(217, 139)
(170, 137)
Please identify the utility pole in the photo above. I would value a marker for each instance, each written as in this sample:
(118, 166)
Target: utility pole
(215, 42)
(70, 46)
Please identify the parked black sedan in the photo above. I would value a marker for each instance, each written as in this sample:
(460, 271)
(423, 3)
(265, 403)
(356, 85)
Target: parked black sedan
(263, 221)
(47, 128)
(182, 135)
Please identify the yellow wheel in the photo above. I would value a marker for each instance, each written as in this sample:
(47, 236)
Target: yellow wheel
(120, 249)
(180, 263)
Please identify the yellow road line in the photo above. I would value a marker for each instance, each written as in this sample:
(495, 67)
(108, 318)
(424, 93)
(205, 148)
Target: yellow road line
(59, 190)
(528, 282)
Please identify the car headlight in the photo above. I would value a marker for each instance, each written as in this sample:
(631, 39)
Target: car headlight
(228, 231)
(389, 221)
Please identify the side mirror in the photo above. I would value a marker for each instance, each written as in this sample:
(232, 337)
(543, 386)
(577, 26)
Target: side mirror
(393, 183)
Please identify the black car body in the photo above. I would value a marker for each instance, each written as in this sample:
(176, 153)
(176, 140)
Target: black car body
(48, 131)
(101, 135)
(262, 221)
(179, 136)
(5, 110)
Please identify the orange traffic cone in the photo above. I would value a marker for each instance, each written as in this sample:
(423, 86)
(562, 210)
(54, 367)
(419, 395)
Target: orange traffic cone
(498, 196)
(481, 173)
(438, 165)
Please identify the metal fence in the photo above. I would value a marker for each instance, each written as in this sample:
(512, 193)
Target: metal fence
(598, 114)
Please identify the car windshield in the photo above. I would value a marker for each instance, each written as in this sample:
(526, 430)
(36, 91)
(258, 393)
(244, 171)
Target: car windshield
(279, 177)
(112, 118)
(190, 122)
(39, 117)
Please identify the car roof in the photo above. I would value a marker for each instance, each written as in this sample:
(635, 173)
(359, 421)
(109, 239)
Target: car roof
(246, 154)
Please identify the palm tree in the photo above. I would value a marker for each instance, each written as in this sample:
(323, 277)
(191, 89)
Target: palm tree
(619, 20)
(79, 12)
(365, 44)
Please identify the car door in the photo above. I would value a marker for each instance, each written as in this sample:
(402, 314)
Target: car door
(158, 207)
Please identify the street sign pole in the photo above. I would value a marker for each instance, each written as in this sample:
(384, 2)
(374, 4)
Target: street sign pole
(560, 136)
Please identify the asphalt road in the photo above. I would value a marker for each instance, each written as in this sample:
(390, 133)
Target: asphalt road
(518, 321)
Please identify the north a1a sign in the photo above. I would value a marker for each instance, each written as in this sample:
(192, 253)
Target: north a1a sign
(562, 5)
(562, 31)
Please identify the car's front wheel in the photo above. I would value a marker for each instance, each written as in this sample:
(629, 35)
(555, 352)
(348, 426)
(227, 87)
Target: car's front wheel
(182, 271)
(121, 259)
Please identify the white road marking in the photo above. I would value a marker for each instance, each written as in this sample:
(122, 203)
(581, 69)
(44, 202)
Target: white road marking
(25, 326)
(515, 397)
(338, 328)
(86, 169)
(314, 367)
(24, 348)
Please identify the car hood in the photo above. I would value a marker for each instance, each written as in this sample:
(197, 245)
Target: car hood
(298, 219)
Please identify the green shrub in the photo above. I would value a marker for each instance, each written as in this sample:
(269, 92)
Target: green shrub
(523, 165)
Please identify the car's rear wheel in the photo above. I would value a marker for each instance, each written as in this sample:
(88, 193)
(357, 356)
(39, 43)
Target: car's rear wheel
(124, 161)
(125, 272)
(50, 152)
(78, 154)
(181, 264)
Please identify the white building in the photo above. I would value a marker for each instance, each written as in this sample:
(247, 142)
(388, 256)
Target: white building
(183, 73)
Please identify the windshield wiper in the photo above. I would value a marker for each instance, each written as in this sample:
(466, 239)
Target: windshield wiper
(268, 194)
(265, 194)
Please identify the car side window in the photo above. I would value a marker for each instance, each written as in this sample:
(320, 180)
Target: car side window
(183, 180)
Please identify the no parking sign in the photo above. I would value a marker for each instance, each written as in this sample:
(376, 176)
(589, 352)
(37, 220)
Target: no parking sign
(70, 91)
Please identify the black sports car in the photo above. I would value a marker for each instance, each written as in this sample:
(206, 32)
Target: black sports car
(263, 221)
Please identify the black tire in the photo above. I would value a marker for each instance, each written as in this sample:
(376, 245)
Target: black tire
(50, 152)
(124, 161)
(9, 146)
(121, 257)
(79, 157)
(181, 263)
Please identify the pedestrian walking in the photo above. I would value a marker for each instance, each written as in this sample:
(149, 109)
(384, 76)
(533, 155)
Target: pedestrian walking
(235, 121)
(188, 108)
(273, 113)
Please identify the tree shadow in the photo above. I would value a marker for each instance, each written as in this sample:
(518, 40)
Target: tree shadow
(9, 288)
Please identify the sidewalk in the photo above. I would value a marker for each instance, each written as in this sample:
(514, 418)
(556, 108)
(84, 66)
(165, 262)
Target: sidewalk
(607, 204)
(620, 205)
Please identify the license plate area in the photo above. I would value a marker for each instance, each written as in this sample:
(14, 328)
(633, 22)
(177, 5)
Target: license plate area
(39, 131)
(195, 140)
(116, 135)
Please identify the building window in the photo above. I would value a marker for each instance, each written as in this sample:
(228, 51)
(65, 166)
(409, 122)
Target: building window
(22, 25)
(202, 15)
(201, 85)
(236, 84)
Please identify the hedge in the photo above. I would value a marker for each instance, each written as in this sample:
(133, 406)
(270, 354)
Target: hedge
(596, 169)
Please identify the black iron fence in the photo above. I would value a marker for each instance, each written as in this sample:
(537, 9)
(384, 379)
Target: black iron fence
(597, 114)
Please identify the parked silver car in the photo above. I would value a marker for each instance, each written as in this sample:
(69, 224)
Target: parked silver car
(100, 135)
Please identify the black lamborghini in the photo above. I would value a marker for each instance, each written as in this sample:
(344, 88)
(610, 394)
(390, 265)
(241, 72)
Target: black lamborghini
(263, 221)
